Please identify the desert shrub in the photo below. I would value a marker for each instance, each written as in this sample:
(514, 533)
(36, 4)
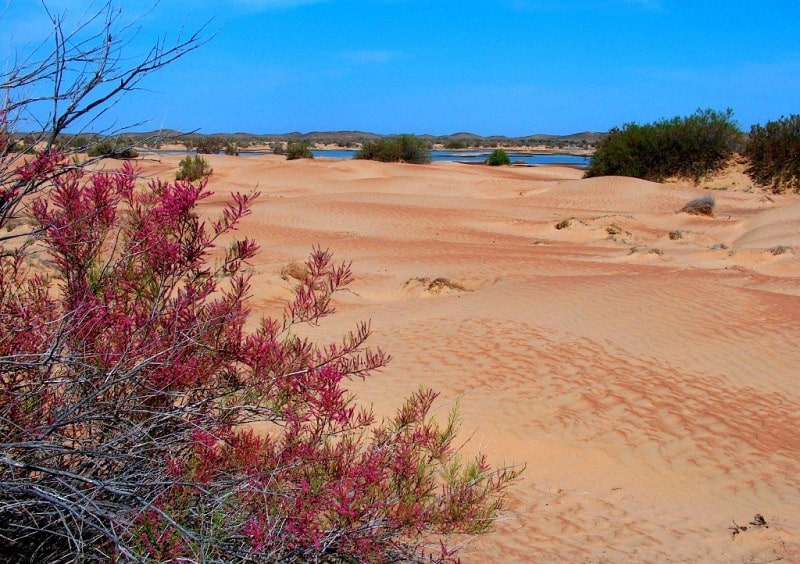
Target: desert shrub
(690, 147)
(298, 150)
(498, 158)
(112, 148)
(232, 148)
(703, 205)
(131, 391)
(773, 151)
(404, 148)
(456, 144)
(276, 147)
(210, 145)
(193, 167)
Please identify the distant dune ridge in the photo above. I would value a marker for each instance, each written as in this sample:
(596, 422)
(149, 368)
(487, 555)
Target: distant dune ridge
(642, 362)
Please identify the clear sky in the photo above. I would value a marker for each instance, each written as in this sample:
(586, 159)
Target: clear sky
(509, 67)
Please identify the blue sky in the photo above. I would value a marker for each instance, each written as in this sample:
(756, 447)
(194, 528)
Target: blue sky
(510, 67)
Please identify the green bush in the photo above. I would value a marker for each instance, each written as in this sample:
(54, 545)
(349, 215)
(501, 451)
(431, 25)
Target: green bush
(232, 148)
(498, 158)
(107, 148)
(404, 148)
(299, 150)
(456, 144)
(774, 154)
(193, 167)
(210, 145)
(689, 147)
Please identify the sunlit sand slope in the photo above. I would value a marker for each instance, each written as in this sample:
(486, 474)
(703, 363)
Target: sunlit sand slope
(643, 363)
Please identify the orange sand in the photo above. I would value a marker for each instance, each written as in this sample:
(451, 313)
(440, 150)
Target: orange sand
(649, 383)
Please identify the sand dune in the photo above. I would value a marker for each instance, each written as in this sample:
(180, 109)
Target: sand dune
(643, 363)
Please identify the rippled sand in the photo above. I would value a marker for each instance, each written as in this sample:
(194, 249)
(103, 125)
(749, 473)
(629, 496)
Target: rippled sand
(643, 363)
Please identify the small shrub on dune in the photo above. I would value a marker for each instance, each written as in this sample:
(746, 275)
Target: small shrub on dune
(704, 205)
(774, 154)
(691, 147)
(404, 148)
(210, 145)
(300, 150)
(193, 167)
(498, 158)
(232, 149)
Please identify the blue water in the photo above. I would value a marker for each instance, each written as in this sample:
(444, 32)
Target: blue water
(477, 156)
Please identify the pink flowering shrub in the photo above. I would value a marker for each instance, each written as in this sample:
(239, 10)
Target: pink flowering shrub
(139, 420)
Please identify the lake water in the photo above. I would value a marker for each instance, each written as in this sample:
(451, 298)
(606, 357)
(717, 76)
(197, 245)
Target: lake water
(478, 156)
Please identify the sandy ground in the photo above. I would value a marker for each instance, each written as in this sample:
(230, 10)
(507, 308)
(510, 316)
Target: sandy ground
(643, 363)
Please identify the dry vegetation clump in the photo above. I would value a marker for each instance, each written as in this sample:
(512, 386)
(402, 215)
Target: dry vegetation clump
(780, 250)
(439, 285)
(704, 205)
(294, 270)
(676, 235)
(564, 223)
